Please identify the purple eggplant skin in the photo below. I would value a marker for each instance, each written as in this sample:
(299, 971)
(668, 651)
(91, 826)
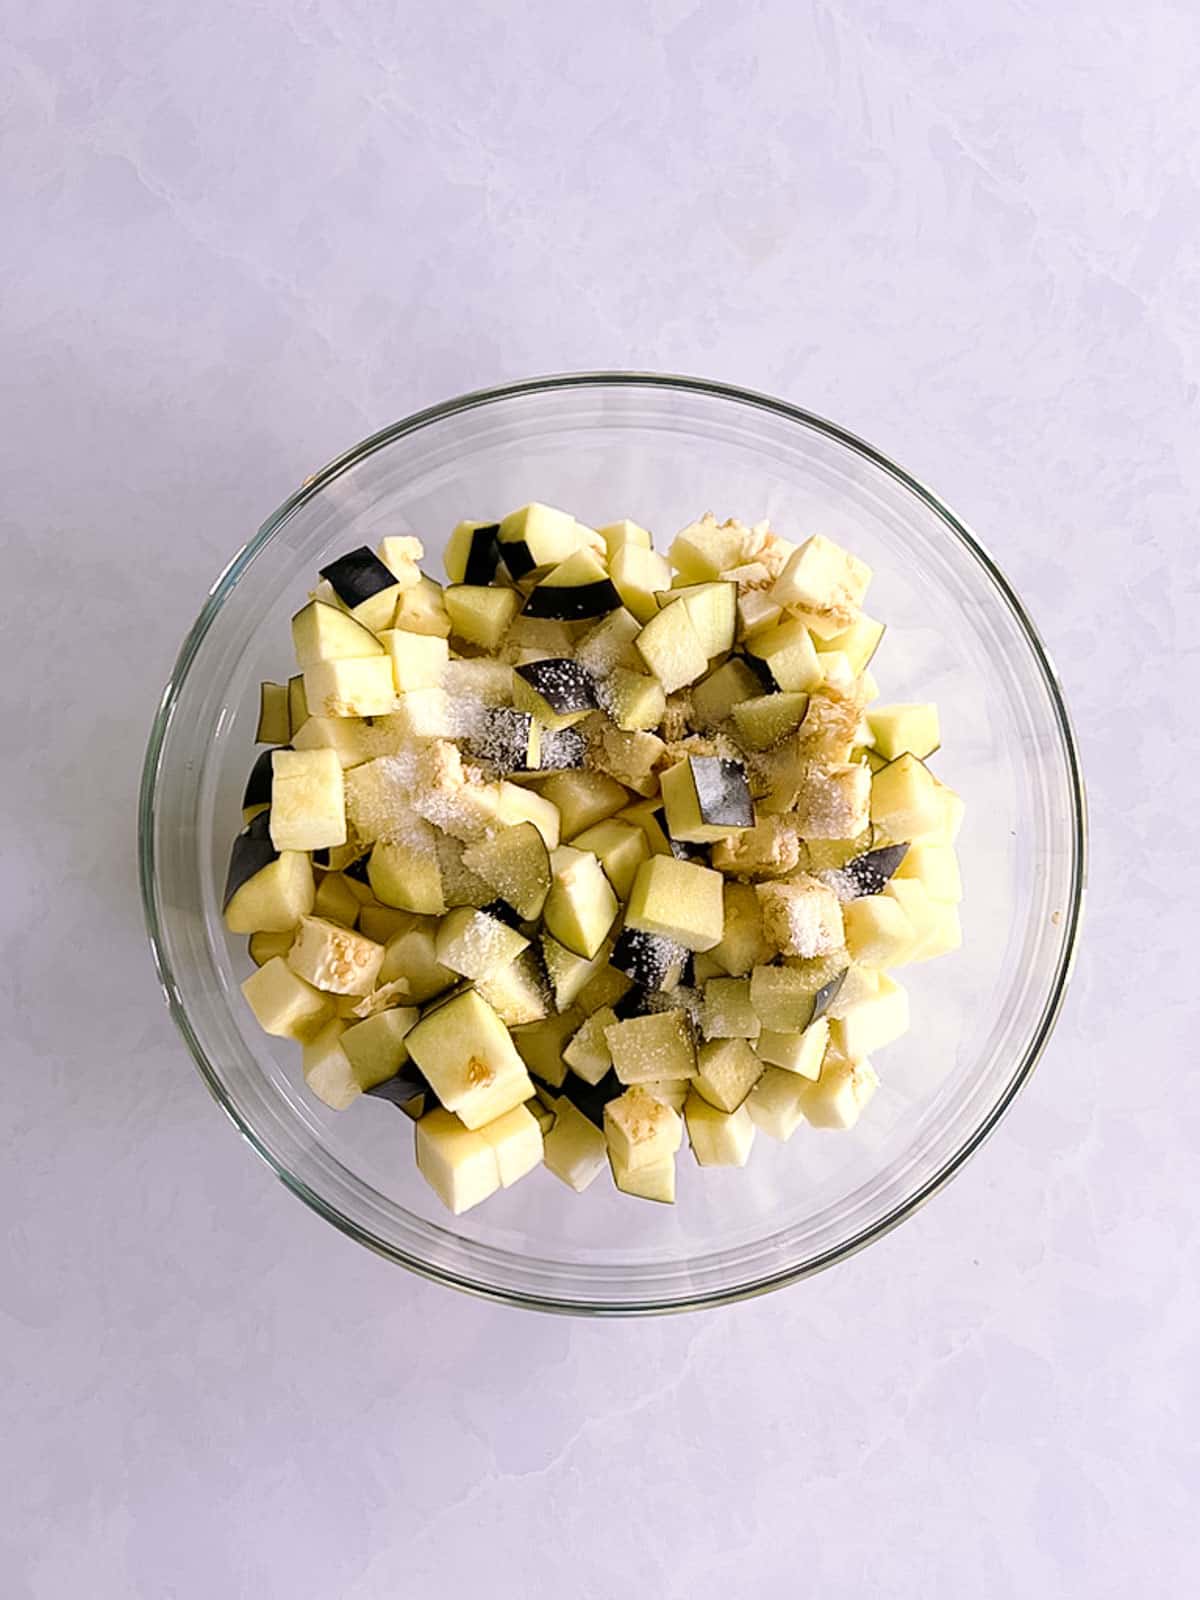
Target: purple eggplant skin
(563, 684)
(722, 791)
(358, 575)
(591, 1098)
(252, 851)
(572, 602)
(869, 873)
(647, 958)
(826, 995)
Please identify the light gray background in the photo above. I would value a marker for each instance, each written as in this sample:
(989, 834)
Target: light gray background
(236, 237)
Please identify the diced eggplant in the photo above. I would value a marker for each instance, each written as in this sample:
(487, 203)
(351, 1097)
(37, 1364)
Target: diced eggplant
(257, 794)
(516, 862)
(826, 995)
(562, 750)
(706, 798)
(407, 1087)
(578, 589)
(650, 959)
(357, 576)
(480, 614)
(868, 874)
(508, 739)
(473, 552)
(252, 851)
(557, 691)
(274, 718)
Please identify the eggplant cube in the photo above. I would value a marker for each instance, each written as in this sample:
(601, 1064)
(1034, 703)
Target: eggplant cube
(776, 1103)
(801, 1053)
(706, 799)
(581, 906)
(727, 1012)
(822, 578)
(283, 1004)
(801, 917)
(840, 1094)
(654, 1181)
(557, 691)
(468, 1056)
(375, 1047)
(459, 1165)
(575, 1148)
(726, 1071)
(476, 945)
(334, 958)
(419, 660)
(516, 1140)
(681, 900)
(652, 1047)
(355, 687)
(587, 1054)
(308, 803)
(641, 1130)
(672, 649)
(718, 1138)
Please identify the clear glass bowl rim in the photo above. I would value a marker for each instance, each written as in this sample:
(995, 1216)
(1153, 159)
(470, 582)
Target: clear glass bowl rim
(958, 530)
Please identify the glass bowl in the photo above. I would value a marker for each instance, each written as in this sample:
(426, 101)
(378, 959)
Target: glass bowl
(660, 450)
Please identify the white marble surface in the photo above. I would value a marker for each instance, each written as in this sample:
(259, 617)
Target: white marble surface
(234, 238)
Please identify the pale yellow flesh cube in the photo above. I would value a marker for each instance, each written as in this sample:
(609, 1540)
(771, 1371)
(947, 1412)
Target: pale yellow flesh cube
(823, 578)
(619, 535)
(575, 1149)
(640, 1129)
(620, 848)
(418, 660)
(468, 1056)
(515, 805)
(756, 612)
(459, 1165)
(336, 901)
(800, 1053)
(274, 719)
(308, 804)
(909, 727)
(637, 575)
(582, 799)
(265, 945)
(905, 800)
(323, 632)
(516, 1139)
(406, 874)
(350, 687)
(275, 898)
(726, 1012)
(375, 1047)
(634, 700)
(726, 1072)
(832, 801)
(936, 866)
(652, 1047)
(672, 650)
(743, 944)
(400, 553)
(672, 1092)
(782, 998)
(942, 936)
(680, 900)
(283, 1004)
(718, 1138)
(715, 696)
(474, 944)
(581, 907)
(653, 1182)
(840, 1095)
(776, 1103)
(765, 719)
(610, 643)
(422, 609)
(791, 655)
(327, 1069)
(858, 643)
(334, 958)
(801, 917)
(878, 931)
(876, 1021)
(587, 1054)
